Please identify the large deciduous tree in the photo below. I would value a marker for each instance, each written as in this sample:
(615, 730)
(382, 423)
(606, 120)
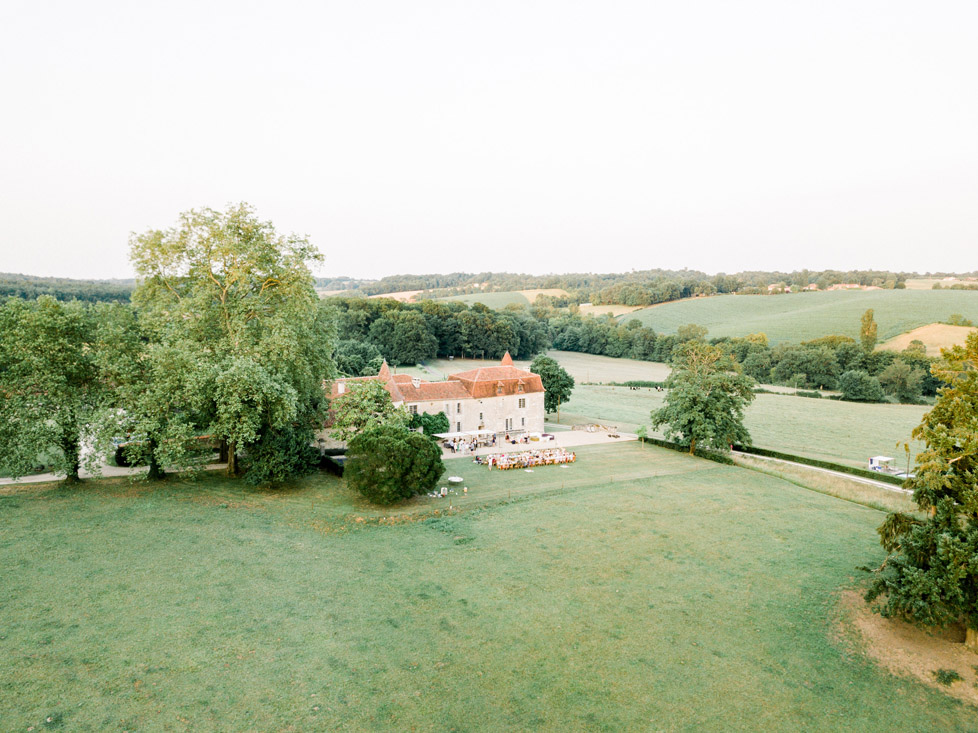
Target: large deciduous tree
(156, 400)
(858, 386)
(363, 405)
(902, 381)
(930, 575)
(388, 463)
(706, 399)
(556, 381)
(51, 391)
(227, 287)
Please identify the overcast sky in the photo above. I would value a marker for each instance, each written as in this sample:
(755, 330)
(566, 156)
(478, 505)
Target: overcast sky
(551, 136)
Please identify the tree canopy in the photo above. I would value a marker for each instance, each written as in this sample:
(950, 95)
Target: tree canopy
(857, 385)
(930, 575)
(389, 463)
(228, 287)
(52, 390)
(706, 399)
(364, 404)
(556, 381)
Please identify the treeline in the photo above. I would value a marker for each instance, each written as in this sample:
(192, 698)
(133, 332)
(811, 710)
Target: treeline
(638, 287)
(837, 362)
(31, 287)
(411, 333)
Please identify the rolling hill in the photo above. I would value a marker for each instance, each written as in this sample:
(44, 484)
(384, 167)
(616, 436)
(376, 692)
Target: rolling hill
(804, 316)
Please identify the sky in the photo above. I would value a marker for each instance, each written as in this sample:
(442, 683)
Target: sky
(538, 136)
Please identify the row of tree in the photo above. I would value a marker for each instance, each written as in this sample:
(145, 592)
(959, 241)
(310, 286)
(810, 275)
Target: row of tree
(838, 362)
(637, 287)
(31, 287)
(226, 344)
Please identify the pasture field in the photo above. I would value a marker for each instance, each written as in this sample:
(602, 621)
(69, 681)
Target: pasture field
(805, 316)
(614, 310)
(830, 430)
(583, 367)
(500, 300)
(496, 301)
(404, 296)
(638, 589)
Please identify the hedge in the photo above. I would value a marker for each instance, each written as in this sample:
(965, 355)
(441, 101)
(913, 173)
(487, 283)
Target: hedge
(886, 478)
(700, 453)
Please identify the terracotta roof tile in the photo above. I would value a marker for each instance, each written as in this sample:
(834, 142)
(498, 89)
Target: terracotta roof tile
(491, 381)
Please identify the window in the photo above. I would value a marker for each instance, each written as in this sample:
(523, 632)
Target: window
(458, 427)
(523, 422)
(458, 407)
(480, 417)
(413, 409)
(522, 402)
(499, 389)
(519, 388)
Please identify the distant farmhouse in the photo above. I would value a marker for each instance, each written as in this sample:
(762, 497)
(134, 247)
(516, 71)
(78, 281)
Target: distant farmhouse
(501, 399)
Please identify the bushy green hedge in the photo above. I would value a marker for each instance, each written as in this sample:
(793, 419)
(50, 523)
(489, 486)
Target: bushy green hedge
(700, 453)
(813, 394)
(886, 478)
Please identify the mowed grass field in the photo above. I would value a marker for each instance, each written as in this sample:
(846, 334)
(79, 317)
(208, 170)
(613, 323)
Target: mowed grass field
(638, 589)
(583, 367)
(831, 430)
(804, 316)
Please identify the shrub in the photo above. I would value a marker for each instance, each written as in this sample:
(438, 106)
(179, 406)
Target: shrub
(947, 676)
(857, 386)
(279, 456)
(388, 463)
(813, 394)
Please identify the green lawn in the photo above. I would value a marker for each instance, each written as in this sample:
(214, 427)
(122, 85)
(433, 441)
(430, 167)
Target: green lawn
(638, 589)
(803, 316)
(844, 432)
(583, 367)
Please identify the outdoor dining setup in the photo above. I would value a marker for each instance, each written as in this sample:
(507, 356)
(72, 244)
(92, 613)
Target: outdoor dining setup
(527, 459)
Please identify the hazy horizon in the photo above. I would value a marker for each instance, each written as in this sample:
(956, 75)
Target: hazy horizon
(536, 137)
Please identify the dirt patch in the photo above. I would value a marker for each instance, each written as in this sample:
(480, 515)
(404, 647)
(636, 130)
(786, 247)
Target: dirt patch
(936, 336)
(909, 651)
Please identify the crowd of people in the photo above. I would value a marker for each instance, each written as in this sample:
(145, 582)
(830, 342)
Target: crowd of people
(527, 459)
(461, 445)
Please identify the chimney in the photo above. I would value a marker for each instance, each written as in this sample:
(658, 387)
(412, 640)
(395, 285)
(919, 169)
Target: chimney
(340, 387)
